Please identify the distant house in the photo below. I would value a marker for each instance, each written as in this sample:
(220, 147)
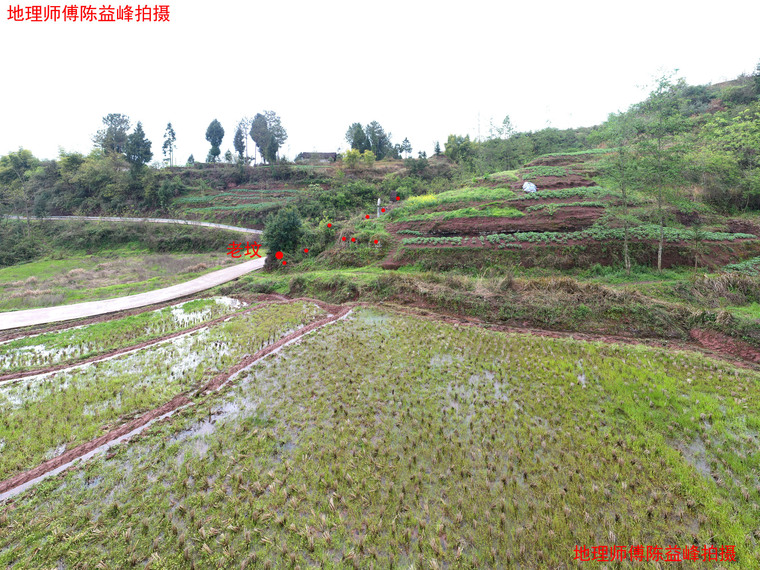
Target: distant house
(317, 157)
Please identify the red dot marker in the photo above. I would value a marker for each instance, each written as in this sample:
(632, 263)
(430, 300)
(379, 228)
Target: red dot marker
(375, 241)
(306, 250)
(284, 262)
(329, 225)
(278, 255)
(343, 238)
(367, 216)
(353, 239)
(382, 209)
(398, 197)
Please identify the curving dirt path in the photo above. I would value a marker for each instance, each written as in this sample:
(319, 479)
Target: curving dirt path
(151, 220)
(16, 319)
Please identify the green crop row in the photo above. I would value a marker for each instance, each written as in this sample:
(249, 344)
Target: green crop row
(242, 207)
(553, 207)
(588, 191)
(649, 232)
(489, 212)
(410, 232)
(475, 194)
(79, 343)
(750, 266)
(536, 171)
(452, 240)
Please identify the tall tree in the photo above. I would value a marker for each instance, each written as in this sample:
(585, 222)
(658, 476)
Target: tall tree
(260, 133)
(620, 132)
(170, 138)
(356, 138)
(137, 148)
(379, 141)
(214, 135)
(406, 146)
(113, 138)
(268, 134)
(502, 131)
(659, 154)
(278, 135)
(239, 142)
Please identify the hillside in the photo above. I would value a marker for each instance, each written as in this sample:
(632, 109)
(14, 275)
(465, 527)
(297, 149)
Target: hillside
(435, 368)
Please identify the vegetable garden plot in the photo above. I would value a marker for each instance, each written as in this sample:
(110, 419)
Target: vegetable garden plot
(461, 446)
(40, 414)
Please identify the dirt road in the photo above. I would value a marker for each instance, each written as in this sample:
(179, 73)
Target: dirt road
(151, 220)
(30, 317)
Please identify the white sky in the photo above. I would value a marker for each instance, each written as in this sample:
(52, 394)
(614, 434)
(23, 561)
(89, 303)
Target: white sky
(422, 69)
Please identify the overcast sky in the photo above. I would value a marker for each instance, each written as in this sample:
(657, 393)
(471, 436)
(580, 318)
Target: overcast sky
(421, 69)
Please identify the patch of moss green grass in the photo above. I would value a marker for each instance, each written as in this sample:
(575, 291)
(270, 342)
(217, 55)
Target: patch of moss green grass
(485, 212)
(40, 416)
(468, 194)
(457, 447)
(88, 277)
(752, 310)
(72, 345)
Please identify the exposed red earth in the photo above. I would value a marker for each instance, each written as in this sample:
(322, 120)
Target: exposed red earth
(555, 182)
(571, 218)
(725, 344)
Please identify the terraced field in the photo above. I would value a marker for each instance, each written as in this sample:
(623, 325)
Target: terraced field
(569, 209)
(388, 440)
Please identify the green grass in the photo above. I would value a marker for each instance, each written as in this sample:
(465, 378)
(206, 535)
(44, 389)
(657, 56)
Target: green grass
(462, 448)
(586, 192)
(107, 274)
(552, 208)
(511, 175)
(532, 172)
(42, 415)
(241, 207)
(485, 212)
(647, 232)
(476, 194)
(752, 310)
(79, 343)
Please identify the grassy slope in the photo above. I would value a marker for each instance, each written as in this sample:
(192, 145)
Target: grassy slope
(107, 274)
(467, 449)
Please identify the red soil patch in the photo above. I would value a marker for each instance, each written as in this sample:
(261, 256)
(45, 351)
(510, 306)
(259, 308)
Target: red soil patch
(572, 218)
(556, 182)
(725, 344)
(743, 227)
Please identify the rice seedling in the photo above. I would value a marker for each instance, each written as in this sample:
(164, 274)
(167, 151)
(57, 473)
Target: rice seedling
(463, 447)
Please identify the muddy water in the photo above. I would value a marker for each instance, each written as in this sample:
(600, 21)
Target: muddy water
(101, 449)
